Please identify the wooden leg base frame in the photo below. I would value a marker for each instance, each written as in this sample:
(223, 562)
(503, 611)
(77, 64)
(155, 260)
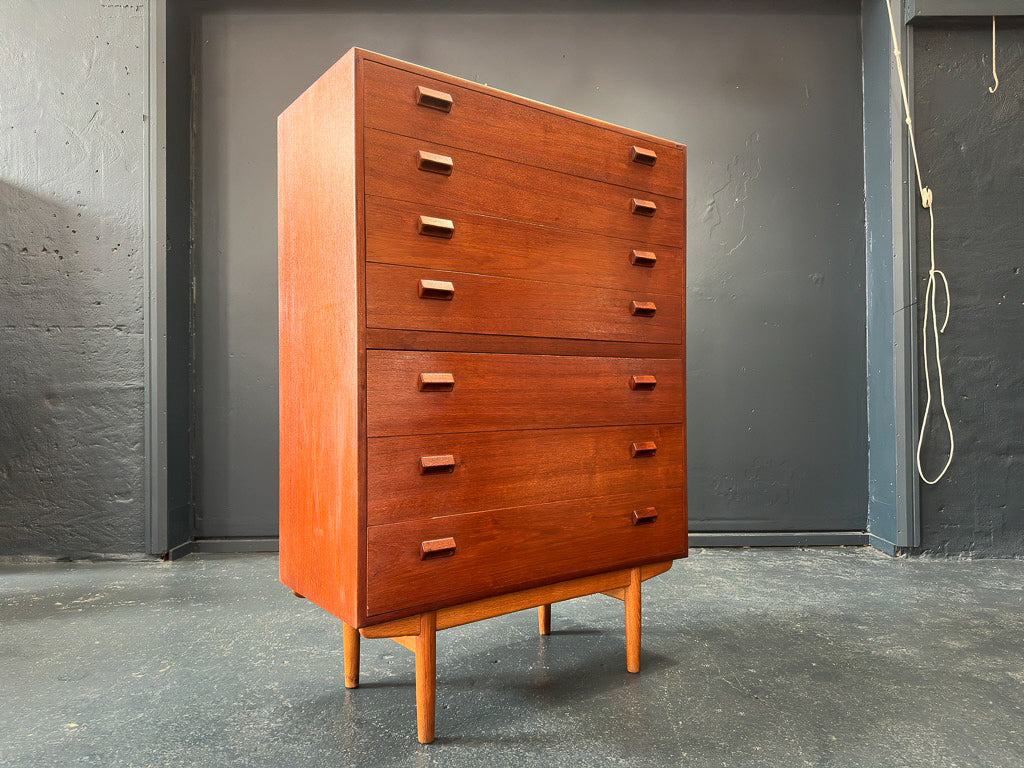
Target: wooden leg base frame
(419, 633)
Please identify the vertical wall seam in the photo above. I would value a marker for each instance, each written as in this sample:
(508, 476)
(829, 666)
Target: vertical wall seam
(155, 264)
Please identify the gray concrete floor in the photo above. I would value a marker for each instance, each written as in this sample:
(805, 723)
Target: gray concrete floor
(751, 658)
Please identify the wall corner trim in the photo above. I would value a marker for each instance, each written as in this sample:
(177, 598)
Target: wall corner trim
(155, 266)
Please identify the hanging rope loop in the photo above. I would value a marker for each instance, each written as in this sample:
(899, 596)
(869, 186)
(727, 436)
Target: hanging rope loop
(931, 314)
(995, 75)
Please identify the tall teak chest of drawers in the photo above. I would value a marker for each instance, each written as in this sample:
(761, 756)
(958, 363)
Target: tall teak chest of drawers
(481, 353)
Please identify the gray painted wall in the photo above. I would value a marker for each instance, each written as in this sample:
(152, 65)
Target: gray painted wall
(881, 382)
(971, 145)
(768, 97)
(72, 151)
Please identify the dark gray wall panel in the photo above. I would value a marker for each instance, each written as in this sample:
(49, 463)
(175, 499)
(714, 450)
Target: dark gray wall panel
(971, 145)
(882, 500)
(891, 384)
(768, 97)
(178, 339)
(72, 192)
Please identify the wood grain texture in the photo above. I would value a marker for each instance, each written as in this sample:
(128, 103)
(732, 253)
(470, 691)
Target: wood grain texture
(469, 303)
(488, 245)
(426, 677)
(432, 98)
(447, 79)
(407, 641)
(490, 470)
(397, 339)
(510, 549)
(544, 618)
(517, 131)
(643, 155)
(508, 392)
(634, 619)
(351, 647)
(495, 187)
(437, 547)
(518, 600)
(321, 434)
(474, 220)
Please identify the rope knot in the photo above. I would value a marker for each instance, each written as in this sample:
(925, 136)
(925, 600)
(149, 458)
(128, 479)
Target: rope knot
(926, 197)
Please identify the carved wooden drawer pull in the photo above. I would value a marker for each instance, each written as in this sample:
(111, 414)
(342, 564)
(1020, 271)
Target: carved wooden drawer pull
(428, 97)
(430, 161)
(643, 448)
(643, 381)
(436, 289)
(432, 227)
(437, 464)
(646, 515)
(643, 156)
(643, 259)
(433, 382)
(642, 308)
(437, 548)
(643, 207)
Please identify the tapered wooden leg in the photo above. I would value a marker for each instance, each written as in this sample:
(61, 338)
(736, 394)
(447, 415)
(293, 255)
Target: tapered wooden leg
(426, 676)
(544, 618)
(351, 656)
(633, 619)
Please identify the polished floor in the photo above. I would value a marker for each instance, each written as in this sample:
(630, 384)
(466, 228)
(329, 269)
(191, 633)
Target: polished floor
(817, 657)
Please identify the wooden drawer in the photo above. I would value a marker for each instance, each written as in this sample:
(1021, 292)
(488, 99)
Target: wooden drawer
(448, 560)
(418, 393)
(504, 248)
(423, 476)
(484, 123)
(488, 185)
(429, 300)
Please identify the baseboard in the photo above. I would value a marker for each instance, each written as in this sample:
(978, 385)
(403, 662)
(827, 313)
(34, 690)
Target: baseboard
(697, 539)
(883, 545)
(779, 539)
(240, 544)
(182, 550)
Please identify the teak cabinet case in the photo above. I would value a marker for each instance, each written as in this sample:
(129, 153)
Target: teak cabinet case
(482, 344)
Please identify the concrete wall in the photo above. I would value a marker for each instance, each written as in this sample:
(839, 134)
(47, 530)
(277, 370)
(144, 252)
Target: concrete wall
(766, 95)
(72, 150)
(971, 146)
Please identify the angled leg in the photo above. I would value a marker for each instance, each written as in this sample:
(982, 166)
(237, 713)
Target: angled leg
(633, 614)
(426, 676)
(351, 656)
(544, 618)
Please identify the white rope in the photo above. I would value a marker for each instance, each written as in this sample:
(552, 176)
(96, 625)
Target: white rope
(995, 76)
(930, 311)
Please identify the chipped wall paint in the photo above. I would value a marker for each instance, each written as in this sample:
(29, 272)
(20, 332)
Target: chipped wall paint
(72, 152)
(971, 146)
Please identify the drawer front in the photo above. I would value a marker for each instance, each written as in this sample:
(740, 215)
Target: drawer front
(422, 393)
(411, 478)
(491, 246)
(448, 560)
(477, 183)
(503, 128)
(429, 300)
